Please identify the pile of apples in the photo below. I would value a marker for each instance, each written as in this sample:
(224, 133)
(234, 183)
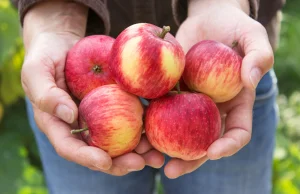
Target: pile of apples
(110, 77)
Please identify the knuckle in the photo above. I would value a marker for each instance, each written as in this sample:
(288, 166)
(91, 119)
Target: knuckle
(40, 101)
(259, 27)
(43, 100)
(269, 58)
(59, 151)
(25, 73)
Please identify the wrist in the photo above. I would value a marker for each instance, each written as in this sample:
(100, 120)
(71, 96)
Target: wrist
(55, 16)
(195, 6)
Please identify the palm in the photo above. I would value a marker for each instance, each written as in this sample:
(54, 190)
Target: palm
(49, 52)
(52, 50)
(224, 28)
(221, 27)
(227, 25)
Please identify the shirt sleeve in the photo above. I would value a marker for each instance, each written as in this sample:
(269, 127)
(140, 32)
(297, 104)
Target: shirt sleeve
(98, 18)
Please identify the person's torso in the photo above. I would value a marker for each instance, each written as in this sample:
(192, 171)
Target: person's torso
(124, 13)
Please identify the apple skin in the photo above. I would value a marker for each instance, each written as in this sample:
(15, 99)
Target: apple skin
(183, 125)
(144, 64)
(213, 68)
(114, 119)
(87, 63)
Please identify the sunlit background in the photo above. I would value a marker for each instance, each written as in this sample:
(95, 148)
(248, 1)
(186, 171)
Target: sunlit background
(20, 167)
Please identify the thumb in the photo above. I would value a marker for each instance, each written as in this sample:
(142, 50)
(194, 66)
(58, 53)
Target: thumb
(38, 81)
(259, 57)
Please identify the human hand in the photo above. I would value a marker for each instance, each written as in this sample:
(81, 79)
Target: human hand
(227, 22)
(50, 30)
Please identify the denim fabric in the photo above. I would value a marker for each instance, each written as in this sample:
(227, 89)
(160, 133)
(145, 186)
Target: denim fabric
(247, 172)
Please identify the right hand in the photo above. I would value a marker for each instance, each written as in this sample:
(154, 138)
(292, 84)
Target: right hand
(50, 30)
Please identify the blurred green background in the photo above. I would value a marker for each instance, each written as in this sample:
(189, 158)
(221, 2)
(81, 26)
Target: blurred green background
(20, 167)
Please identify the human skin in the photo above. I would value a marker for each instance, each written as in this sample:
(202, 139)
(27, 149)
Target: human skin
(227, 21)
(50, 29)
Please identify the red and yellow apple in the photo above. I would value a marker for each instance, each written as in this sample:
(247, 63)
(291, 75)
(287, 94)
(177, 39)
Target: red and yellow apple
(213, 68)
(111, 119)
(86, 65)
(183, 125)
(147, 60)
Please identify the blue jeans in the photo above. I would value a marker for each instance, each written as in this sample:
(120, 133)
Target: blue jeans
(247, 172)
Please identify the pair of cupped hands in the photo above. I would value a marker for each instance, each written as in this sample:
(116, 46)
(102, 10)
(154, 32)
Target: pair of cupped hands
(50, 29)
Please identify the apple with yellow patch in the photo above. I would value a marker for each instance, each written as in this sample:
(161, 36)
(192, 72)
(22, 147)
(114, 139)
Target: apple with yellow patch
(111, 119)
(147, 60)
(213, 68)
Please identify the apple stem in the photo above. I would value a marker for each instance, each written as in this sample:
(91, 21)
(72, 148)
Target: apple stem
(234, 44)
(74, 131)
(97, 69)
(178, 87)
(164, 31)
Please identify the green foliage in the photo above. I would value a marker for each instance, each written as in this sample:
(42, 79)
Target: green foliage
(287, 58)
(20, 170)
(286, 175)
(11, 55)
(286, 178)
(1, 111)
(9, 33)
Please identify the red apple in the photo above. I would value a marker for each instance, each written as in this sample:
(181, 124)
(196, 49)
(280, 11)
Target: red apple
(87, 65)
(111, 119)
(147, 60)
(183, 125)
(213, 68)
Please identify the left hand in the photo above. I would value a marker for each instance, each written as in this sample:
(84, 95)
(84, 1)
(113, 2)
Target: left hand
(50, 29)
(226, 22)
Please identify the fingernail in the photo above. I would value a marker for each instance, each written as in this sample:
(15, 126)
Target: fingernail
(65, 113)
(132, 170)
(103, 167)
(255, 76)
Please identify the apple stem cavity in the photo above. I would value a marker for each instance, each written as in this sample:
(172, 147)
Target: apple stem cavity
(74, 131)
(164, 31)
(178, 87)
(234, 44)
(97, 69)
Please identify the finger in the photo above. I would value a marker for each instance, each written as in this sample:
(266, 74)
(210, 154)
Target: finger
(259, 57)
(183, 35)
(177, 167)
(39, 84)
(129, 162)
(144, 145)
(154, 158)
(67, 146)
(238, 127)
(229, 144)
